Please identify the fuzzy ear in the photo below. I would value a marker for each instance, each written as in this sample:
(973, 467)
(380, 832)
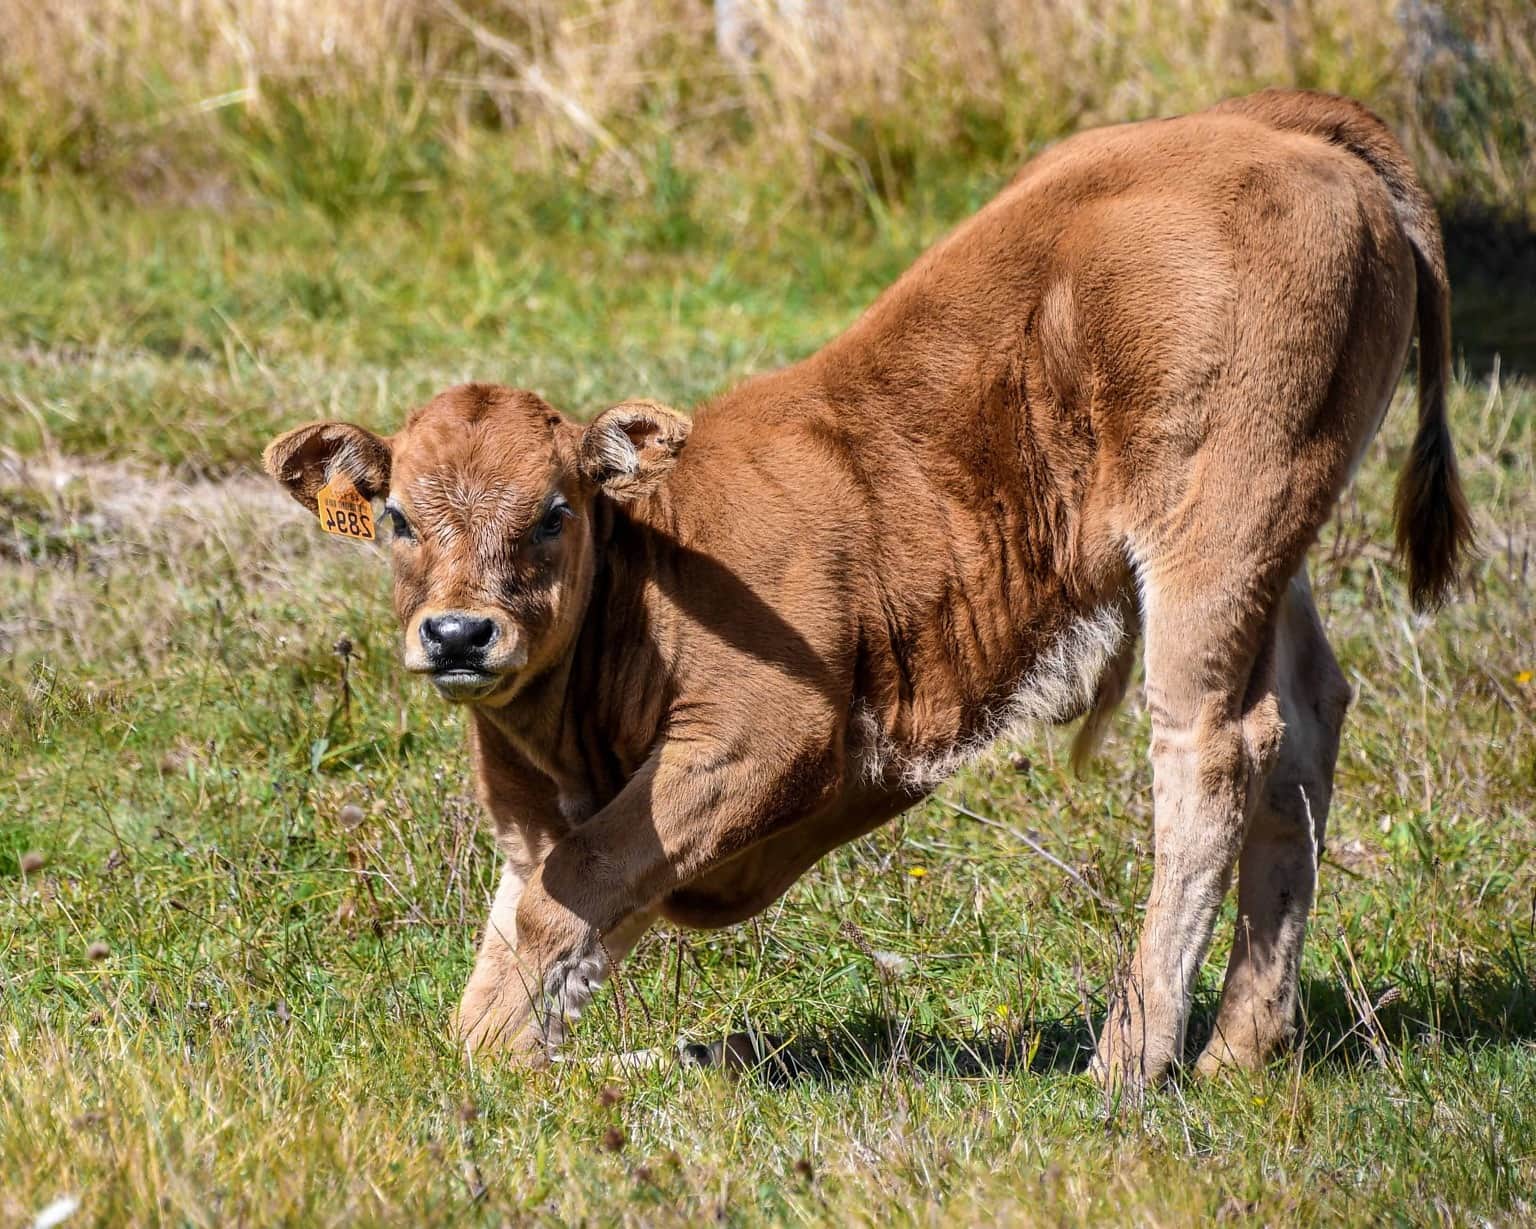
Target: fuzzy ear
(628, 449)
(308, 457)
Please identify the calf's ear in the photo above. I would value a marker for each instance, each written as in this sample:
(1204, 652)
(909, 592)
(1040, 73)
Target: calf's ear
(627, 450)
(306, 458)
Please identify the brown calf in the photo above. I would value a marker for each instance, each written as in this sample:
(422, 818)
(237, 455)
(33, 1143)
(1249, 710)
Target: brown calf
(1122, 399)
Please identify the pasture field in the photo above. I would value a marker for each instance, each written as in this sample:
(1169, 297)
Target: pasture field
(259, 1035)
(223, 1001)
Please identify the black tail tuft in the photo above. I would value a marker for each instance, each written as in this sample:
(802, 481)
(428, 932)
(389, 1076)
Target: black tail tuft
(1434, 527)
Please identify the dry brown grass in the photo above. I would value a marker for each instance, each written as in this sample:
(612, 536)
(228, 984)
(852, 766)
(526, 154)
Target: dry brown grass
(865, 86)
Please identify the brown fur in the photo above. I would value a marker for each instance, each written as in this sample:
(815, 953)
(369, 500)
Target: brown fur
(1434, 526)
(1120, 401)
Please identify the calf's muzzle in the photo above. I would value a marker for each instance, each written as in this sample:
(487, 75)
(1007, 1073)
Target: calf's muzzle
(452, 638)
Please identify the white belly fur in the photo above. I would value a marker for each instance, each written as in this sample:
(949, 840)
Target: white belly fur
(1060, 686)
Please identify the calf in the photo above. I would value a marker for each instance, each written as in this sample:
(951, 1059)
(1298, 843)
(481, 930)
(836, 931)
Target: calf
(1120, 401)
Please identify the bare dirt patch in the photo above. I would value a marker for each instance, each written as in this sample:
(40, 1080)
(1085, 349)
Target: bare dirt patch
(94, 554)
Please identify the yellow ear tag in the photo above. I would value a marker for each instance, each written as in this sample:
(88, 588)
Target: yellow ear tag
(343, 511)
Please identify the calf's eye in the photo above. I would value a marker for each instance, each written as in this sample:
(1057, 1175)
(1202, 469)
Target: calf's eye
(553, 522)
(399, 526)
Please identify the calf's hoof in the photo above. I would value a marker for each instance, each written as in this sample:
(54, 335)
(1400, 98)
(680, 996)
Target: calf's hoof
(1131, 1065)
(507, 1037)
(1231, 1050)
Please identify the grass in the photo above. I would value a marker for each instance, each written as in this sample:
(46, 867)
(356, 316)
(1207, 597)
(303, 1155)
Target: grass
(223, 1002)
(339, 104)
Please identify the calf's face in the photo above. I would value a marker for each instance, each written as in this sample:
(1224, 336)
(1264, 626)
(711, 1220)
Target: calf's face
(490, 494)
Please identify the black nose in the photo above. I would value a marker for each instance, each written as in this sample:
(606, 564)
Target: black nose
(450, 636)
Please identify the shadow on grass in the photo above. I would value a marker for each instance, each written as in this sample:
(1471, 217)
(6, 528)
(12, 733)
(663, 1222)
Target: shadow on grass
(1491, 259)
(1476, 1008)
(1343, 1029)
(871, 1044)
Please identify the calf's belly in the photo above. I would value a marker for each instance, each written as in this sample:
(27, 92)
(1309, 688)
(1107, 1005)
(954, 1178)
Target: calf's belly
(888, 773)
(755, 878)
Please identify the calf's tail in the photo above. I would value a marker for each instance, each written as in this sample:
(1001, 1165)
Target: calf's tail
(1434, 528)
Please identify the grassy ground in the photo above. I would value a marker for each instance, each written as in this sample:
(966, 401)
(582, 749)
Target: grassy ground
(225, 1004)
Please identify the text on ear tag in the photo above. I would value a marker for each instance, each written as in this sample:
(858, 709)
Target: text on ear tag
(343, 511)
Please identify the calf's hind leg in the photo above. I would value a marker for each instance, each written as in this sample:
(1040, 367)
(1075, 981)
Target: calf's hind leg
(1277, 870)
(1210, 669)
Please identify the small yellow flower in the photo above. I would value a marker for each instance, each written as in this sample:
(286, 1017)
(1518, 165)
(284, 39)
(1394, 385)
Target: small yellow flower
(1524, 677)
(1002, 1011)
(917, 872)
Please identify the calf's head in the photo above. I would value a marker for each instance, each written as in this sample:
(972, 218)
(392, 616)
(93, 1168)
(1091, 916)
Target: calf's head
(490, 494)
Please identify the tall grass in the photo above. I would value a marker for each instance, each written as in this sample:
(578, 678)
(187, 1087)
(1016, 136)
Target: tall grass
(345, 101)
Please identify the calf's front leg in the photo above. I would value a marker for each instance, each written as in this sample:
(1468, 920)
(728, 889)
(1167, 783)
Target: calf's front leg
(487, 1008)
(507, 994)
(580, 910)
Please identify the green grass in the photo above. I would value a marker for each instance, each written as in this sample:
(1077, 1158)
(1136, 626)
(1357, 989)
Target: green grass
(261, 1036)
(171, 335)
